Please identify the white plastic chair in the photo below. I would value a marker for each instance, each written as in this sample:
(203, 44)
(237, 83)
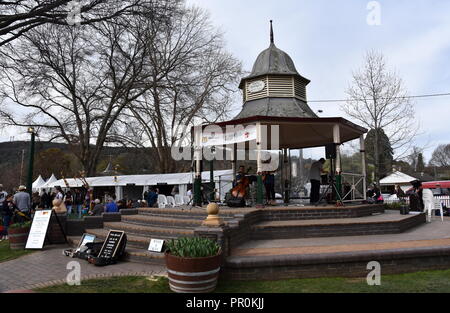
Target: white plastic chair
(431, 204)
(187, 199)
(162, 201)
(171, 201)
(179, 200)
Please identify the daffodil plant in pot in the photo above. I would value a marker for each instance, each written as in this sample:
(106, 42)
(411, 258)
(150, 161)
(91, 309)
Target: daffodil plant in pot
(193, 264)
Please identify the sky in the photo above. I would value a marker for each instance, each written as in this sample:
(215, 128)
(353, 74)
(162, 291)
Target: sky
(327, 40)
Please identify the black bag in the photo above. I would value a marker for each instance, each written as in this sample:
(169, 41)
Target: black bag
(236, 202)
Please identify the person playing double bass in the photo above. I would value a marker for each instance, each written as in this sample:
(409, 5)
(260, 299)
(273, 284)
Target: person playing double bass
(240, 175)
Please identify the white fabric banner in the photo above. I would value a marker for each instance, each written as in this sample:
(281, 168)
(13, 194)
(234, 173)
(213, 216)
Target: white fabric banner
(214, 136)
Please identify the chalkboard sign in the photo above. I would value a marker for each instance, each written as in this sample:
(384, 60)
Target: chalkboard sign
(111, 244)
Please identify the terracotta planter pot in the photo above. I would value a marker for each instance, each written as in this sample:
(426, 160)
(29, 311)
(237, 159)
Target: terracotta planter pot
(193, 275)
(18, 238)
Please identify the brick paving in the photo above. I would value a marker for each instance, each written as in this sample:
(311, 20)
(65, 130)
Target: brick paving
(48, 267)
(432, 234)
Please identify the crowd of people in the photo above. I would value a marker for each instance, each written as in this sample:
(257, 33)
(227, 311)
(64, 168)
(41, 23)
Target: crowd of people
(19, 206)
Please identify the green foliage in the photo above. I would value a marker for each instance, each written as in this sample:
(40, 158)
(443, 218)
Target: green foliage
(194, 247)
(385, 153)
(7, 254)
(393, 206)
(420, 282)
(20, 225)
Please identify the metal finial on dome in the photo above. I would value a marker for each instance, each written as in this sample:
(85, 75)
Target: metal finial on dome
(271, 32)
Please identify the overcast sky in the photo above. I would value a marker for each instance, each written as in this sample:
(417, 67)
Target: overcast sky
(327, 39)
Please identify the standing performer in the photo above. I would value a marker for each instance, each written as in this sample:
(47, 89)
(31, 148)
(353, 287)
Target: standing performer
(314, 175)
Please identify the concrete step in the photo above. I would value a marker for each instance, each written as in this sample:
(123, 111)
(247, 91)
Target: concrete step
(170, 222)
(133, 253)
(134, 241)
(150, 231)
(190, 212)
(391, 223)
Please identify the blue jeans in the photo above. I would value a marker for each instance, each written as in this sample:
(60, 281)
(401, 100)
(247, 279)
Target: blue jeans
(6, 222)
(79, 209)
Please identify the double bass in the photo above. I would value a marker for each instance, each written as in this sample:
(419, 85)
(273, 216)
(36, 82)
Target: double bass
(240, 190)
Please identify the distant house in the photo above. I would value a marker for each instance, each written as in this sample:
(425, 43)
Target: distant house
(388, 183)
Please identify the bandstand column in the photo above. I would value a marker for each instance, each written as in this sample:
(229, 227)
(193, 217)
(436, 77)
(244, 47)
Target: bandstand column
(198, 160)
(259, 182)
(362, 146)
(234, 161)
(337, 142)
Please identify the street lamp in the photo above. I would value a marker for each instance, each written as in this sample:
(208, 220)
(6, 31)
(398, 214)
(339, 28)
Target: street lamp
(31, 161)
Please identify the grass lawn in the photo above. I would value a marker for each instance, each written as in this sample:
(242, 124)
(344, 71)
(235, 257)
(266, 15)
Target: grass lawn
(430, 281)
(8, 254)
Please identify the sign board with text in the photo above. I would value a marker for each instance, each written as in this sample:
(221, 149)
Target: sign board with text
(38, 230)
(111, 244)
(156, 245)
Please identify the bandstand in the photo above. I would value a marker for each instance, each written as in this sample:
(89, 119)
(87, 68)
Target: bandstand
(276, 116)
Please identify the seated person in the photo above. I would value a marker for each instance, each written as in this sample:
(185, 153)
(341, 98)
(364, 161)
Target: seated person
(98, 208)
(111, 207)
(152, 198)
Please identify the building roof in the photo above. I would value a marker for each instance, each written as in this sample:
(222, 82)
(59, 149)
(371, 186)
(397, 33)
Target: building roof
(138, 180)
(397, 178)
(276, 107)
(273, 61)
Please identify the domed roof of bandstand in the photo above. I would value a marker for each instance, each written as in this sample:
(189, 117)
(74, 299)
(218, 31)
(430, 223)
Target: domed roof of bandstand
(275, 63)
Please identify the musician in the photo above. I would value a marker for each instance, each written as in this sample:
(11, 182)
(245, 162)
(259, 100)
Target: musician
(240, 174)
(269, 184)
(314, 175)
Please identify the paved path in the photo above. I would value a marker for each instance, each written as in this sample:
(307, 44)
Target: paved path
(436, 233)
(48, 267)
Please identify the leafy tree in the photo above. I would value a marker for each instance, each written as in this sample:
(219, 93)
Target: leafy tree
(420, 163)
(384, 150)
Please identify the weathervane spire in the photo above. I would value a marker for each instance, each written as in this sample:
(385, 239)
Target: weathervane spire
(271, 33)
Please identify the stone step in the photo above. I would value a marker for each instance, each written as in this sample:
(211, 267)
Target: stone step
(144, 256)
(393, 223)
(150, 231)
(189, 212)
(133, 254)
(134, 241)
(148, 220)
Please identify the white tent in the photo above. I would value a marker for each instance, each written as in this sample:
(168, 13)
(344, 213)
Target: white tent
(138, 180)
(49, 182)
(398, 178)
(38, 183)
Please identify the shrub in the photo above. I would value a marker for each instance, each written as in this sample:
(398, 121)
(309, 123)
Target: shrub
(20, 225)
(194, 247)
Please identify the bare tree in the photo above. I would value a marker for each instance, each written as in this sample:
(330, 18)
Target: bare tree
(378, 100)
(18, 17)
(441, 156)
(72, 83)
(192, 78)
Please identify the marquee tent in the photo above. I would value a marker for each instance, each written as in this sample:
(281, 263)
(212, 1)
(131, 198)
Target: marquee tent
(38, 183)
(398, 178)
(49, 182)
